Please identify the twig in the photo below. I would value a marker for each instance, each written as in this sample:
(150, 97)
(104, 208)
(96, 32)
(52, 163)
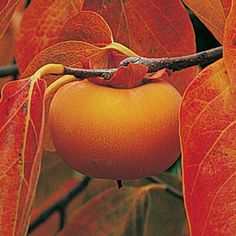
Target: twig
(9, 70)
(176, 63)
(153, 64)
(168, 187)
(60, 205)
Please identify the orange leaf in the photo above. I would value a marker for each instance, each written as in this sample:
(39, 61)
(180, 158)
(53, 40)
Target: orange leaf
(208, 130)
(151, 29)
(129, 211)
(230, 43)
(212, 14)
(89, 27)
(8, 40)
(21, 129)
(41, 27)
(67, 53)
(7, 8)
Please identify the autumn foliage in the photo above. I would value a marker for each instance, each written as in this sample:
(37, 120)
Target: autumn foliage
(96, 34)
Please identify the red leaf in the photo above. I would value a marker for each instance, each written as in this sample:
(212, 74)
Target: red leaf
(7, 8)
(21, 129)
(41, 27)
(151, 29)
(208, 130)
(226, 4)
(230, 43)
(89, 27)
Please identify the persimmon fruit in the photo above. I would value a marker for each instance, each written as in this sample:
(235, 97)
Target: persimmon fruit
(116, 133)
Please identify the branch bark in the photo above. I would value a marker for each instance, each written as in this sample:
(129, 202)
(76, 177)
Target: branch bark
(153, 64)
(9, 70)
(176, 63)
(170, 189)
(60, 205)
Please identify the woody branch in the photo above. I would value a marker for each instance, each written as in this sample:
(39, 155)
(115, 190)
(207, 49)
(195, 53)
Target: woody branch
(153, 64)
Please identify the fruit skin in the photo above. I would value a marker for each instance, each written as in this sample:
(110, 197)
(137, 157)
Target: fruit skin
(115, 133)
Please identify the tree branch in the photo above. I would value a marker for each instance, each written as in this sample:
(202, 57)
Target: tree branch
(60, 205)
(153, 64)
(176, 63)
(168, 187)
(9, 70)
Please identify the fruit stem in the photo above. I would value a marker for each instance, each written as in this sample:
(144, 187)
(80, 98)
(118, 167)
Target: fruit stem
(119, 183)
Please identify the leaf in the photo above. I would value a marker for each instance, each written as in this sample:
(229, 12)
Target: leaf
(230, 43)
(21, 129)
(212, 14)
(6, 52)
(150, 29)
(207, 131)
(7, 8)
(6, 46)
(8, 37)
(226, 4)
(41, 27)
(89, 27)
(54, 172)
(8, 40)
(147, 210)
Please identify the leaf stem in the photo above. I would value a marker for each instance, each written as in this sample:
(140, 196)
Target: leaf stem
(121, 48)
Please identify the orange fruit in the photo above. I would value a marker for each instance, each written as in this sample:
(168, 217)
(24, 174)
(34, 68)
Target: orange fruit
(116, 133)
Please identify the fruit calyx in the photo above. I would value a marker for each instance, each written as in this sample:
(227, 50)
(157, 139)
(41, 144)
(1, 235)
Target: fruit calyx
(127, 77)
